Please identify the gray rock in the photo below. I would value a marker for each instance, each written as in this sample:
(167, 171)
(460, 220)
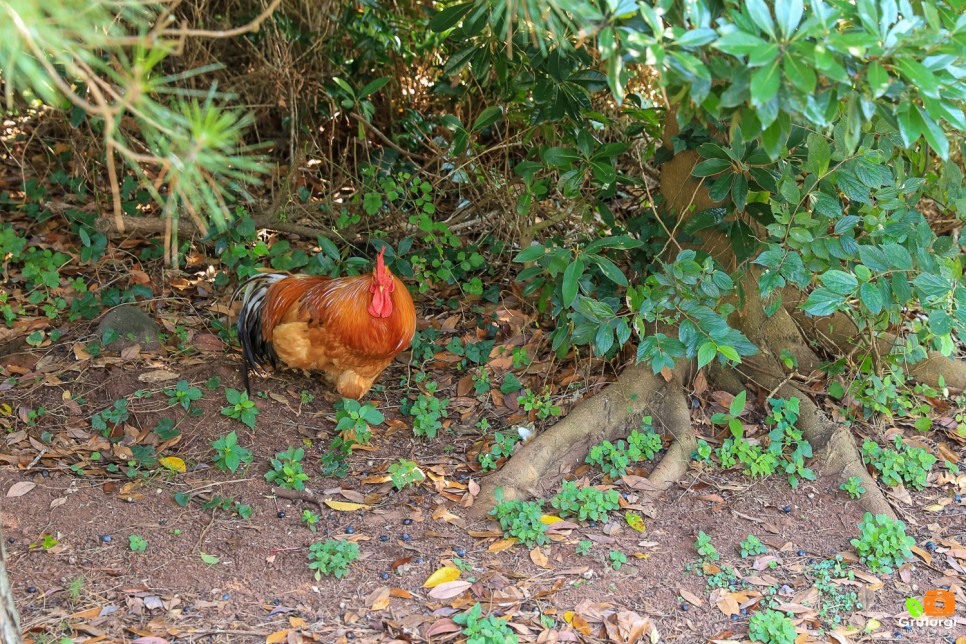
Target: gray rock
(132, 326)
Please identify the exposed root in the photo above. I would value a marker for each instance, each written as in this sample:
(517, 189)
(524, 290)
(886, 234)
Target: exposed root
(832, 444)
(539, 465)
(838, 334)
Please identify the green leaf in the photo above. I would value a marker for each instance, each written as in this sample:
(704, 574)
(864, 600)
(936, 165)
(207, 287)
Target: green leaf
(739, 43)
(571, 281)
(839, 282)
(373, 86)
(609, 269)
(789, 14)
(872, 298)
(761, 16)
(819, 154)
(531, 253)
(559, 156)
(603, 339)
(934, 134)
(822, 301)
(487, 117)
(801, 75)
(739, 193)
(764, 85)
(738, 403)
(923, 80)
(706, 353)
(449, 17)
(878, 79)
(709, 167)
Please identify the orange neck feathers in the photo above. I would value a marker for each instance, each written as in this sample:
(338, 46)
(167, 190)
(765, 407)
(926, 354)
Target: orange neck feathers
(381, 288)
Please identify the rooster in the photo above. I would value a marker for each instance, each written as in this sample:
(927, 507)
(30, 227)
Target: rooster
(349, 328)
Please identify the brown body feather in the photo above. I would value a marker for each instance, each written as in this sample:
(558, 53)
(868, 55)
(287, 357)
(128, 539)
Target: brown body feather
(323, 324)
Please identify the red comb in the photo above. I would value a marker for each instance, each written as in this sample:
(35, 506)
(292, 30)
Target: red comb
(380, 262)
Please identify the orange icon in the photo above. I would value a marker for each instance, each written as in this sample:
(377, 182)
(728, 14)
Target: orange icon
(939, 603)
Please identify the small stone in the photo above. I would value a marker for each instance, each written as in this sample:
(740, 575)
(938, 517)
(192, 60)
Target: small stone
(131, 326)
(280, 514)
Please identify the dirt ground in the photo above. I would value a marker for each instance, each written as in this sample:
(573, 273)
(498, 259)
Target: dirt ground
(209, 575)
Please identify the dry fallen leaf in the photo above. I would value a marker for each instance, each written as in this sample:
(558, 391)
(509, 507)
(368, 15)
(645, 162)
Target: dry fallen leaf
(449, 590)
(538, 557)
(20, 488)
(378, 599)
(343, 506)
(277, 636)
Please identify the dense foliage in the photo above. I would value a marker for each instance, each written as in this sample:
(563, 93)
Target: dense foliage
(823, 133)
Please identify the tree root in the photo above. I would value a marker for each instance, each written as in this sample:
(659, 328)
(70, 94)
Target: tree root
(832, 444)
(539, 465)
(838, 334)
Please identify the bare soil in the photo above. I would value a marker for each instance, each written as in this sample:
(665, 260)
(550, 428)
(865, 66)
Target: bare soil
(85, 582)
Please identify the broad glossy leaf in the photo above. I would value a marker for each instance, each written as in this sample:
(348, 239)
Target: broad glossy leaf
(758, 10)
(571, 279)
(449, 17)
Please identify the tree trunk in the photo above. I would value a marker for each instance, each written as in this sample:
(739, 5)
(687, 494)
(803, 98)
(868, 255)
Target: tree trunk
(9, 620)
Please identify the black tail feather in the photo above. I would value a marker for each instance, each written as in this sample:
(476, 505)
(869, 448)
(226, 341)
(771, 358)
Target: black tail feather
(256, 351)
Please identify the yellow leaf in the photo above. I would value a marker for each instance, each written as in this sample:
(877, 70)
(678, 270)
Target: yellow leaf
(6, 409)
(569, 616)
(278, 636)
(441, 576)
(173, 463)
(297, 622)
(549, 519)
(635, 521)
(501, 545)
(343, 506)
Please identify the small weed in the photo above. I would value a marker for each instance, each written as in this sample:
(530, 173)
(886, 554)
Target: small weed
(703, 451)
(705, 548)
(355, 419)
(106, 420)
(583, 547)
(332, 557)
(137, 543)
(904, 464)
(287, 471)
(405, 473)
(76, 587)
(183, 394)
(502, 448)
(771, 627)
(520, 520)
(541, 404)
(751, 546)
(310, 519)
(427, 412)
(229, 455)
(854, 487)
(882, 544)
(481, 382)
(225, 504)
(617, 559)
(484, 630)
(240, 407)
(587, 504)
